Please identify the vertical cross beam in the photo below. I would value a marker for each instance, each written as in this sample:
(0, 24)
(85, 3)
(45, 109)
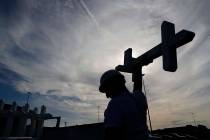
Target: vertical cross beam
(137, 79)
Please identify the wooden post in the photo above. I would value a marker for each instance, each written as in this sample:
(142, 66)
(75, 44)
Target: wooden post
(22, 121)
(9, 121)
(32, 128)
(40, 121)
(2, 119)
(1, 105)
(137, 79)
(58, 122)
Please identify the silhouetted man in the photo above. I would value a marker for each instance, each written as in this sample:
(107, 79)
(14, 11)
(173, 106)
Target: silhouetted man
(125, 116)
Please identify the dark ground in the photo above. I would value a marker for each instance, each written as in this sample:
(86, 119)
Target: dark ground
(95, 132)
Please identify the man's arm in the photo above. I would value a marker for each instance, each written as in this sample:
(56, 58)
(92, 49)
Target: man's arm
(113, 121)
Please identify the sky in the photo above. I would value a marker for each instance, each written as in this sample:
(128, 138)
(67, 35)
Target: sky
(58, 49)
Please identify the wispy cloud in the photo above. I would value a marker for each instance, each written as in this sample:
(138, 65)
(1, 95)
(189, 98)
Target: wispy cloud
(62, 47)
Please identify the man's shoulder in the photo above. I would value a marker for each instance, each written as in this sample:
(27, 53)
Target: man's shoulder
(123, 97)
(122, 100)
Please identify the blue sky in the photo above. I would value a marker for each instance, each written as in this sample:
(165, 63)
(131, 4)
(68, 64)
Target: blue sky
(57, 50)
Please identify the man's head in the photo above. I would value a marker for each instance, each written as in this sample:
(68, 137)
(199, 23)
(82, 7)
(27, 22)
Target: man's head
(112, 83)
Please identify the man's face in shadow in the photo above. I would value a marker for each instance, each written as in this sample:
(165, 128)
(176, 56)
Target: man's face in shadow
(109, 93)
(111, 89)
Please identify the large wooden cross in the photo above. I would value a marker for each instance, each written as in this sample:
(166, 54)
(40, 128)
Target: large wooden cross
(167, 49)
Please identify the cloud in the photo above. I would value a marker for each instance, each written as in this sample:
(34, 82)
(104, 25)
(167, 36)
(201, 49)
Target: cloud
(8, 76)
(62, 48)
